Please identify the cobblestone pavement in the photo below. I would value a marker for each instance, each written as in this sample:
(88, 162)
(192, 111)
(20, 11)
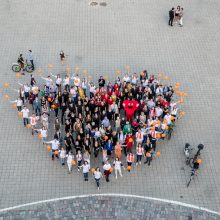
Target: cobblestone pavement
(101, 40)
(107, 207)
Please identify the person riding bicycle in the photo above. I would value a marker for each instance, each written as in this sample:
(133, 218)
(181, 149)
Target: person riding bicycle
(21, 62)
(195, 168)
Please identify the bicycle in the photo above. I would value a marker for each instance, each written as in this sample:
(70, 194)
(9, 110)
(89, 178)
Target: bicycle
(193, 173)
(16, 67)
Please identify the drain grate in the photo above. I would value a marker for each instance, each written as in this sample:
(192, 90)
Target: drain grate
(93, 3)
(103, 4)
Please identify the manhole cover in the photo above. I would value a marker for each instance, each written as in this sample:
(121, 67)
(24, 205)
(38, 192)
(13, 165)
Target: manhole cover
(93, 3)
(103, 4)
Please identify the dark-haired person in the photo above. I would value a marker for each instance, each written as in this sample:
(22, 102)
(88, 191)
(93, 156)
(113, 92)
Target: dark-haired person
(171, 17)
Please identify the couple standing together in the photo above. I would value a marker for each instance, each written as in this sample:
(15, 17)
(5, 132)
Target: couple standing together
(176, 15)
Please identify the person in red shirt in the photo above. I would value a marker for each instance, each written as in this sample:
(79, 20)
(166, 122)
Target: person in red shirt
(129, 142)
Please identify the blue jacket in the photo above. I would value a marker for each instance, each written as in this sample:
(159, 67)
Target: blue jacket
(109, 146)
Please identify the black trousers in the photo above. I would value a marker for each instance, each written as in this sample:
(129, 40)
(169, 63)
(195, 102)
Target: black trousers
(171, 21)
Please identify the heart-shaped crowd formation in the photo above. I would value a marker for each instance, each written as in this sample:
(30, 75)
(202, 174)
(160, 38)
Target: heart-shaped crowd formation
(118, 121)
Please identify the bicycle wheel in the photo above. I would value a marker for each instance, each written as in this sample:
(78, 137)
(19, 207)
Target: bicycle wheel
(29, 69)
(169, 134)
(191, 162)
(16, 68)
(189, 182)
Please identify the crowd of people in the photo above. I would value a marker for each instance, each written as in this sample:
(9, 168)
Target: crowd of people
(117, 123)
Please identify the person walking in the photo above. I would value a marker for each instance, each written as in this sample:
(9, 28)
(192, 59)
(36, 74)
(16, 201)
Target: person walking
(29, 58)
(171, 17)
(107, 170)
(117, 165)
(85, 170)
(97, 175)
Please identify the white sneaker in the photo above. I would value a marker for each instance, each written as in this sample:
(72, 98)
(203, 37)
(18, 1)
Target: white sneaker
(98, 188)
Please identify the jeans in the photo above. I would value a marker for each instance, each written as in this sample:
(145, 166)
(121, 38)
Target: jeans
(25, 121)
(86, 176)
(139, 157)
(37, 110)
(62, 161)
(97, 182)
(32, 64)
(19, 108)
(91, 95)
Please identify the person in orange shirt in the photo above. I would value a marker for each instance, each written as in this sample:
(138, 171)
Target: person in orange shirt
(118, 150)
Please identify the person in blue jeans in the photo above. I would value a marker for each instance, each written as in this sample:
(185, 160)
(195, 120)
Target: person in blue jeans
(37, 106)
(109, 147)
(97, 175)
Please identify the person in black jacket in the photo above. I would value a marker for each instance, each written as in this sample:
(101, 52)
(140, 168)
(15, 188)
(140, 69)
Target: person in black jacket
(171, 17)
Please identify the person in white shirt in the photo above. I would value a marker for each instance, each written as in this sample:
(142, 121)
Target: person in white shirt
(158, 111)
(79, 160)
(85, 170)
(167, 117)
(33, 122)
(43, 132)
(117, 165)
(45, 120)
(73, 92)
(92, 90)
(84, 85)
(62, 156)
(97, 174)
(76, 80)
(66, 83)
(26, 90)
(126, 78)
(55, 145)
(139, 136)
(19, 103)
(134, 79)
(49, 81)
(69, 161)
(139, 153)
(25, 113)
(107, 170)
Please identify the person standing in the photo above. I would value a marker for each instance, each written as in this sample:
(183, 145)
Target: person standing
(97, 175)
(79, 158)
(181, 18)
(69, 161)
(30, 58)
(25, 113)
(55, 146)
(117, 165)
(37, 106)
(62, 156)
(85, 170)
(130, 160)
(139, 153)
(171, 17)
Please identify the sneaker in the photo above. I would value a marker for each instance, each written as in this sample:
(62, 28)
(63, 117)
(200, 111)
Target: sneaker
(140, 162)
(136, 164)
(98, 188)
